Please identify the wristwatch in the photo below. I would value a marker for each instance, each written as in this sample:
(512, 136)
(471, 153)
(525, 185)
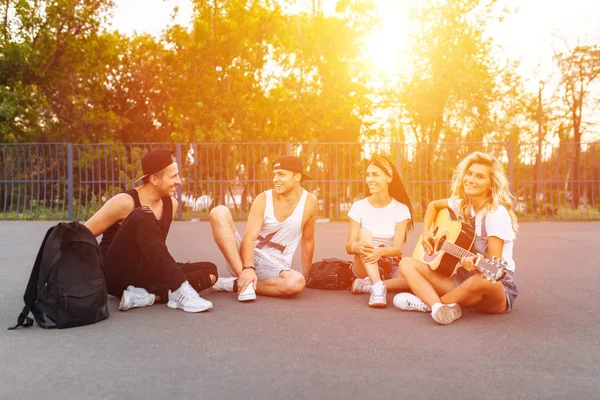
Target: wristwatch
(249, 267)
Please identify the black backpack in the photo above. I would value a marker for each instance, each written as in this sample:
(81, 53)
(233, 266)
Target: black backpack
(66, 287)
(330, 274)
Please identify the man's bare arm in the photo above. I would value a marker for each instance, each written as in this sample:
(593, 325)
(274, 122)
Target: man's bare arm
(308, 235)
(114, 210)
(253, 226)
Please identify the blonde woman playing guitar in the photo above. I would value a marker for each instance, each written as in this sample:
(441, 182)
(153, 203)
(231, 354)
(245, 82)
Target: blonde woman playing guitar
(479, 192)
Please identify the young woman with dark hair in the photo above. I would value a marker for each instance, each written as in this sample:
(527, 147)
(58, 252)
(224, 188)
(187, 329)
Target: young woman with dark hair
(379, 224)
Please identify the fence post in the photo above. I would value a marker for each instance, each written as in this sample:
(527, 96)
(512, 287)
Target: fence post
(511, 166)
(179, 188)
(288, 149)
(70, 179)
(399, 158)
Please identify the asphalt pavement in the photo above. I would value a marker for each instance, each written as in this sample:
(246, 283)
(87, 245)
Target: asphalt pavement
(321, 344)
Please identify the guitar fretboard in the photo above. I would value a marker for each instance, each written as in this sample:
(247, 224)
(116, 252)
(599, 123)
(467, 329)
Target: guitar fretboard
(455, 250)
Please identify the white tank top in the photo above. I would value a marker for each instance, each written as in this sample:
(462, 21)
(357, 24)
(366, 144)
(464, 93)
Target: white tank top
(277, 241)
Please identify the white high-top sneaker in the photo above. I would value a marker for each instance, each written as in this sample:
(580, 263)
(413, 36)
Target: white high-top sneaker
(362, 285)
(223, 285)
(248, 293)
(135, 297)
(410, 302)
(378, 295)
(132, 288)
(187, 299)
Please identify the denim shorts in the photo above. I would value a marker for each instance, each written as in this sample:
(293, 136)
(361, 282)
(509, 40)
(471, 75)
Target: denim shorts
(508, 282)
(394, 272)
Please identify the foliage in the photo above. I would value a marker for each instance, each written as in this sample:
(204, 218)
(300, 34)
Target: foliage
(452, 86)
(580, 70)
(245, 71)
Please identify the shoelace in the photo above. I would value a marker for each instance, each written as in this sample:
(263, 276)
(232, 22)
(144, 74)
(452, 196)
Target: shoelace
(187, 293)
(416, 305)
(364, 284)
(140, 299)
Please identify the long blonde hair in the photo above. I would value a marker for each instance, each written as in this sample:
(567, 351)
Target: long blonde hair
(499, 193)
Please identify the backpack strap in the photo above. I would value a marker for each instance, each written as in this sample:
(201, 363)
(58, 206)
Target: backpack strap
(31, 293)
(79, 233)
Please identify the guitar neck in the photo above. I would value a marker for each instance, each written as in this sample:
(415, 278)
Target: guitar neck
(455, 250)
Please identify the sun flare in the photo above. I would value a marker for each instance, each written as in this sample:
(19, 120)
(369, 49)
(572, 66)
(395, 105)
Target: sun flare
(386, 48)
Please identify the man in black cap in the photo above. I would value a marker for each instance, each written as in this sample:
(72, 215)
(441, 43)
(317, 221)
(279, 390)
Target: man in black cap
(279, 219)
(137, 265)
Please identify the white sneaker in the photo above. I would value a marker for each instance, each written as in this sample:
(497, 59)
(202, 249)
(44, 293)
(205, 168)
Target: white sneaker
(378, 295)
(223, 285)
(187, 299)
(135, 298)
(410, 302)
(362, 285)
(446, 313)
(132, 288)
(248, 293)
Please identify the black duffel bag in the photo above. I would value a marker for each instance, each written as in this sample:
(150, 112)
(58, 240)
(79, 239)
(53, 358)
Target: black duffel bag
(330, 274)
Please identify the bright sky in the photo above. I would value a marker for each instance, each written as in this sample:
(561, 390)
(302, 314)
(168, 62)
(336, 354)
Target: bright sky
(530, 34)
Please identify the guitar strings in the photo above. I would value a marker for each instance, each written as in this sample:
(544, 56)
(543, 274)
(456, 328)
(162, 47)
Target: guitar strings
(455, 250)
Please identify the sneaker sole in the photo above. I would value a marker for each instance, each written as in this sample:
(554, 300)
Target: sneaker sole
(247, 297)
(174, 306)
(447, 314)
(123, 302)
(378, 305)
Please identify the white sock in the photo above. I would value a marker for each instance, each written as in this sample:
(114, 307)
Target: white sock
(378, 286)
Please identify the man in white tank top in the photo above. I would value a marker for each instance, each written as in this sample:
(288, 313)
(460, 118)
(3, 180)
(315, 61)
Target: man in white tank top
(279, 219)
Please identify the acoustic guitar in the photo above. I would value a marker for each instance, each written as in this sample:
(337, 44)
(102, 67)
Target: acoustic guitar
(453, 240)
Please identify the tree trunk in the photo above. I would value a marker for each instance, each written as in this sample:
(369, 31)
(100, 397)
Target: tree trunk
(576, 154)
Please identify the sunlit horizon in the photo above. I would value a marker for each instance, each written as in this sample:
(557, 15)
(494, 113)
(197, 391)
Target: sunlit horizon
(530, 34)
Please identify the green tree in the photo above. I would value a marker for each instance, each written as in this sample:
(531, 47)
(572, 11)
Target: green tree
(46, 65)
(449, 94)
(580, 70)
(452, 84)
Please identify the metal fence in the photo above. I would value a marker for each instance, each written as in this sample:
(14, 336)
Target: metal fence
(64, 181)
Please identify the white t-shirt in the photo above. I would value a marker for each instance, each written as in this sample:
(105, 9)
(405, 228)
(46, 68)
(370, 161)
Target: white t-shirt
(498, 224)
(381, 222)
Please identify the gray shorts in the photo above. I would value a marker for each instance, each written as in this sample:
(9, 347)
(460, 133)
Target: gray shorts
(508, 282)
(266, 266)
(394, 272)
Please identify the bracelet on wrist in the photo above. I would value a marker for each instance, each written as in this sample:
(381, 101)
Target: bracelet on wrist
(249, 267)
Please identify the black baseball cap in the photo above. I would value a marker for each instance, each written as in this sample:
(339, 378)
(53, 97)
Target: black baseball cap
(156, 160)
(291, 163)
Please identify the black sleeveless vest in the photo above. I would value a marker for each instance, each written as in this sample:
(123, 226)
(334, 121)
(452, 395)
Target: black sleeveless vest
(164, 222)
